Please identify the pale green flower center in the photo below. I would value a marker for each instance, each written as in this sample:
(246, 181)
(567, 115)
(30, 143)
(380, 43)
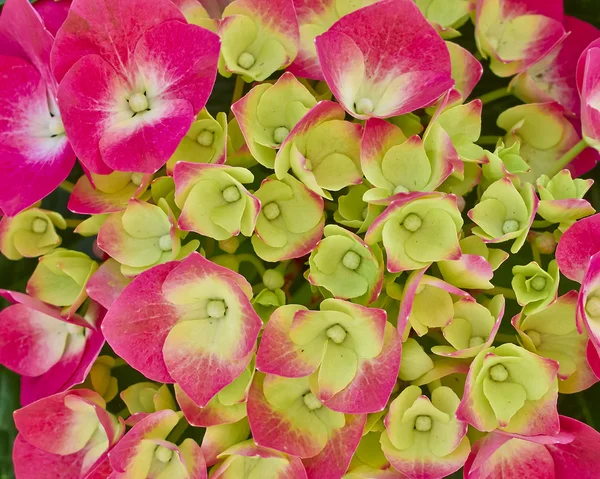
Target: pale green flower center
(271, 211)
(476, 341)
(364, 105)
(163, 454)
(216, 308)
(336, 333)
(165, 243)
(205, 138)
(273, 279)
(400, 189)
(423, 423)
(592, 307)
(39, 226)
(412, 222)
(280, 134)
(246, 60)
(535, 337)
(231, 194)
(498, 373)
(138, 102)
(510, 226)
(351, 260)
(55, 126)
(136, 178)
(311, 401)
(538, 283)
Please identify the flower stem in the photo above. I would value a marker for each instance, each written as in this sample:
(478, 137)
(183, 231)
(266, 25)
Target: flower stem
(488, 140)
(494, 95)
(540, 224)
(67, 186)
(253, 260)
(506, 338)
(568, 157)
(507, 292)
(177, 431)
(536, 254)
(72, 223)
(238, 91)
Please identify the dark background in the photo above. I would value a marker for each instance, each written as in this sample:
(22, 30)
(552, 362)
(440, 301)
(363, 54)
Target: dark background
(14, 274)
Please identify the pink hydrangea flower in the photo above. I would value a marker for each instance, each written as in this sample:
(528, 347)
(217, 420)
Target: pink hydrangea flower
(133, 76)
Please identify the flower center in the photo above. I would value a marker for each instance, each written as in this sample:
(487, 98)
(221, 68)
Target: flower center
(412, 222)
(271, 211)
(163, 454)
(138, 102)
(476, 341)
(280, 134)
(592, 307)
(538, 283)
(351, 260)
(246, 60)
(206, 138)
(55, 126)
(364, 105)
(423, 423)
(165, 243)
(216, 308)
(336, 333)
(400, 189)
(498, 373)
(510, 226)
(136, 178)
(39, 225)
(311, 401)
(231, 194)
(535, 337)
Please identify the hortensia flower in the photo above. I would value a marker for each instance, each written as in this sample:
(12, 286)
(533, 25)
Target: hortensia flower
(130, 85)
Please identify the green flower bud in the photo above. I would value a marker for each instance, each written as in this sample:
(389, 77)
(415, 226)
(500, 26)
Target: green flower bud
(273, 279)
(562, 198)
(505, 161)
(534, 287)
(147, 397)
(354, 212)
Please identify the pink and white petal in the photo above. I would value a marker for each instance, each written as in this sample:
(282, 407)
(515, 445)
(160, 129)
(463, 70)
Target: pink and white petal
(62, 423)
(30, 152)
(374, 381)
(333, 461)
(397, 76)
(179, 62)
(278, 354)
(53, 13)
(139, 321)
(107, 283)
(107, 28)
(577, 245)
(31, 342)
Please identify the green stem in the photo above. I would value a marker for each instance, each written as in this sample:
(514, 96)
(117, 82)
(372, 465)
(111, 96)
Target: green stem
(177, 431)
(536, 253)
(585, 410)
(506, 338)
(488, 140)
(67, 186)
(507, 292)
(253, 260)
(238, 91)
(72, 223)
(540, 224)
(494, 95)
(568, 157)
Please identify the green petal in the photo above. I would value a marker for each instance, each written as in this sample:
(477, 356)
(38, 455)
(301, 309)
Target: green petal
(505, 398)
(338, 368)
(435, 239)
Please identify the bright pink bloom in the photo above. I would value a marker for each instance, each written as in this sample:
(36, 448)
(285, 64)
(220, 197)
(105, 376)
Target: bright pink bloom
(50, 352)
(571, 453)
(384, 60)
(590, 95)
(577, 245)
(65, 435)
(36, 156)
(53, 13)
(133, 76)
(194, 325)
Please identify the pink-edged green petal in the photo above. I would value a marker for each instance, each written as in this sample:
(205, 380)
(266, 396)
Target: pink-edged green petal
(577, 245)
(466, 72)
(374, 77)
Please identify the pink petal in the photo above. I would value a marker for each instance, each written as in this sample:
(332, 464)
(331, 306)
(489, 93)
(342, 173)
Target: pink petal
(386, 53)
(109, 28)
(577, 245)
(590, 94)
(53, 13)
(139, 321)
(578, 458)
(214, 414)
(107, 283)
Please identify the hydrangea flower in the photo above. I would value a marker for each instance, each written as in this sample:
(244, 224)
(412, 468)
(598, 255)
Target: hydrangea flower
(354, 212)
(37, 155)
(561, 198)
(125, 83)
(193, 300)
(534, 287)
(70, 432)
(347, 345)
(423, 437)
(577, 245)
(590, 112)
(373, 76)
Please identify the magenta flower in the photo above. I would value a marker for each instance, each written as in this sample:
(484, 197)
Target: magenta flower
(53, 13)
(194, 325)
(49, 351)
(571, 453)
(590, 95)
(588, 303)
(36, 156)
(384, 60)
(68, 433)
(131, 84)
